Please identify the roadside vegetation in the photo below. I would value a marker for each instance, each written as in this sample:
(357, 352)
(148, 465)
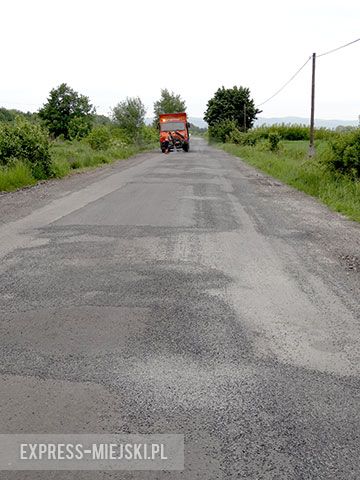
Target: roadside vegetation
(198, 131)
(66, 135)
(333, 175)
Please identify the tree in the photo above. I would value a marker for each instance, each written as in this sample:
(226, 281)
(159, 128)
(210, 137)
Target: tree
(231, 104)
(65, 110)
(168, 103)
(130, 115)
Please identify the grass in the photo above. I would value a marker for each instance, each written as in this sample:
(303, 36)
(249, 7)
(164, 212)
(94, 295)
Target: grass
(291, 165)
(15, 176)
(66, 157)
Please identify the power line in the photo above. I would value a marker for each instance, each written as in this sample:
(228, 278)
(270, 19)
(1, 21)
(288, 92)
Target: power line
(298, 71)
(272, 96)
(285, 84)
(338, 48)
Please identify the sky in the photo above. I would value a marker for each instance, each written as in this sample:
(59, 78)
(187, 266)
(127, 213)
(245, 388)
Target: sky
(113, 49)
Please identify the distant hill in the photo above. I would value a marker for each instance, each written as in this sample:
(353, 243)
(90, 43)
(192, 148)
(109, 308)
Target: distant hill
(199, 122)
(305, 121)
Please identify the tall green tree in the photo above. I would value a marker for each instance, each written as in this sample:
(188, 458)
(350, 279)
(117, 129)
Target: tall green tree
(130, 115)
(67, 113)
(232, 104)
(168, 102)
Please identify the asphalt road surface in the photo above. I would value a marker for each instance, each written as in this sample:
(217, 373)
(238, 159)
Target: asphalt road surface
(184, 293)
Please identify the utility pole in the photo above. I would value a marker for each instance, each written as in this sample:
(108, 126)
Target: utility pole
(245, 117)
(312, 115)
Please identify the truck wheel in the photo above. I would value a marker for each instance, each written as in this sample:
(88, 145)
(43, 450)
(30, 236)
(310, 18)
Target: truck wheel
(186, 147)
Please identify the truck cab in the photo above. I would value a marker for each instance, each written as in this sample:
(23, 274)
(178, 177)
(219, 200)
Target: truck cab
(174, 132)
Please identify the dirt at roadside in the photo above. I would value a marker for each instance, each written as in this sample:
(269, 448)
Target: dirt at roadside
(18, 204)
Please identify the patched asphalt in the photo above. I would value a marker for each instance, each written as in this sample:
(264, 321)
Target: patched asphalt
(184, 293)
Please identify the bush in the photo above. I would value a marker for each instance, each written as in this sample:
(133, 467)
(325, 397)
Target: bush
(274, 140)
(235, 136)
(220, 131)
(148, 135)
(291, 132)
(120, 136)
(79, 127)
(27, 142)
(343, 154)
(242, 138)
(99, 138)
(324, 133)
(251, 139)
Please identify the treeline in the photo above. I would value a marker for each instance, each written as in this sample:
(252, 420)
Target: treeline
(9, 115)
(67, 133)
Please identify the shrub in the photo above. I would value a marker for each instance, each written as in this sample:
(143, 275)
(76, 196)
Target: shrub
(235, 136)
(220, 131)
(324, 133)
(99, 138)
(148, 135)
(274, 140)
(242, 138)
(120, 136)
(27, 142)
(343, 154)
(79, 127)
(292, 132)
(285, 131)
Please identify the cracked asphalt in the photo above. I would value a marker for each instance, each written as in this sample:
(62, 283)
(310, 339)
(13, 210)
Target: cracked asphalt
(184, 293)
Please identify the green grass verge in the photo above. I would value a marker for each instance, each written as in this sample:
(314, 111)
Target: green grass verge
(15, 176)
(292, 165)
(66, 158)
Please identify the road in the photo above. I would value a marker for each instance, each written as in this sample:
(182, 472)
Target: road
(184, 293)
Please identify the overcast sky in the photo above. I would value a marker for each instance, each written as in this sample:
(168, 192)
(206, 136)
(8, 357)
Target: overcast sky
(111, 49)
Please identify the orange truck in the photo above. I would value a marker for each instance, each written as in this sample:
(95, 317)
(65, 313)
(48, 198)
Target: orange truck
(174, 132)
